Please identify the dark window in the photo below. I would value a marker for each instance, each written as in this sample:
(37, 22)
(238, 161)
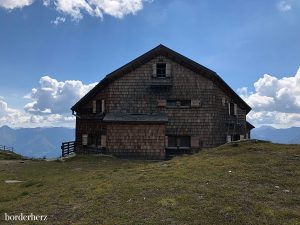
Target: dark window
(98, 106)
(179, 103)
(172, 103)
(185, 141)
(185, 103)
(179, 141)
(235, 137)
(232, 109)
(93, 140)
(161, 69)
(172, 141)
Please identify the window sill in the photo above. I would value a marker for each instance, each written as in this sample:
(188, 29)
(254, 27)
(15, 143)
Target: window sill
(180, 148)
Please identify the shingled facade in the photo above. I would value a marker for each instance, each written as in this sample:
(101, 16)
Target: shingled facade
(160, 102)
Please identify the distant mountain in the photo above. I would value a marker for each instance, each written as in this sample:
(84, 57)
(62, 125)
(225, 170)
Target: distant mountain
(36, 142)
(283, 136)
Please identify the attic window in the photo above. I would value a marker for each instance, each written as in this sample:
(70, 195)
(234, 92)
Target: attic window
(161, 69)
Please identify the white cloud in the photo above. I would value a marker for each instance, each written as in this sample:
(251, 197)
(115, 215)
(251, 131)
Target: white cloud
(77, 8)
(10, 116)
(49, 104)
(273, 94)
(275, 101)
(115, 8)
(74, 8)
(19, 118)
(284, 5)
(275, 119)
(54, 97)
(58, 20)
(46, 2)
(12, 4)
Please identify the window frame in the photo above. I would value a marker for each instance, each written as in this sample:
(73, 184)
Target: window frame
(161, 70)
(178, 141)
(232, 108)
(85, 139)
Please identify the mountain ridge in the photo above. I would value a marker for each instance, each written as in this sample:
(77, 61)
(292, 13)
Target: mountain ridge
(281, 136)
(36, 142)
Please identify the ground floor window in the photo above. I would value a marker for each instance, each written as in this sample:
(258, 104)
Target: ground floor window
(235, 137)
(84, 139)
(179, 141)
(92, 140)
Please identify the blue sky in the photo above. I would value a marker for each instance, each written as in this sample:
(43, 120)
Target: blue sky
(241, 40)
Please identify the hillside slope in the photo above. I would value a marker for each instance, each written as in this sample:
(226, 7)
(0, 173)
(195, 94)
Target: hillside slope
(248, 183)
(7, 155)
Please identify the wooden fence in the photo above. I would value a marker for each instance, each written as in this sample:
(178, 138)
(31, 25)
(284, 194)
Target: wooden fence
(6, 148)
(67, 148)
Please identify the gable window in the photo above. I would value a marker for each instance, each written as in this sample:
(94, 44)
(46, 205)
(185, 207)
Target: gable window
(179, 141)
(178, 103)
(161, 70)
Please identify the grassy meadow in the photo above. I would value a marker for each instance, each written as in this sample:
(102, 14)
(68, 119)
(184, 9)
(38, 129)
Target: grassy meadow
(241, 183)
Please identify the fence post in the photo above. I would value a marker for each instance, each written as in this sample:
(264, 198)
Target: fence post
(68, 148)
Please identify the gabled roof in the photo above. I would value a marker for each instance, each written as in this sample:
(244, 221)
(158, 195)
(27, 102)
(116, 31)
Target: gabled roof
(162, 50)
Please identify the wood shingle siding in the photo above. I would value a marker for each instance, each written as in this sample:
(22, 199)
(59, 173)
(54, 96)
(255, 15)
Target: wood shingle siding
(135, 90)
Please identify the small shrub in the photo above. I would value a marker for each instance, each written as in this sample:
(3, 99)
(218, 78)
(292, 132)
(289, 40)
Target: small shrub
(24, 193)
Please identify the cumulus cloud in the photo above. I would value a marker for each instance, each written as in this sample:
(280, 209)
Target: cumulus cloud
(10, 116)
(275, 119)
(12, 4)
(19, 118)
(275, 101)
(49, 104)
(54, 97)
(115, 8)
(58, 20)
(77, 8)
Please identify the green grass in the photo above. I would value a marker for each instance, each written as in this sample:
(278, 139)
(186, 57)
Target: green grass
(8, 155)
(251, 183)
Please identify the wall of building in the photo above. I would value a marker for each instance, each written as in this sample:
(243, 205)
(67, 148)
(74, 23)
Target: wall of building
(136, 140)
(90, 127)
(207, 121)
